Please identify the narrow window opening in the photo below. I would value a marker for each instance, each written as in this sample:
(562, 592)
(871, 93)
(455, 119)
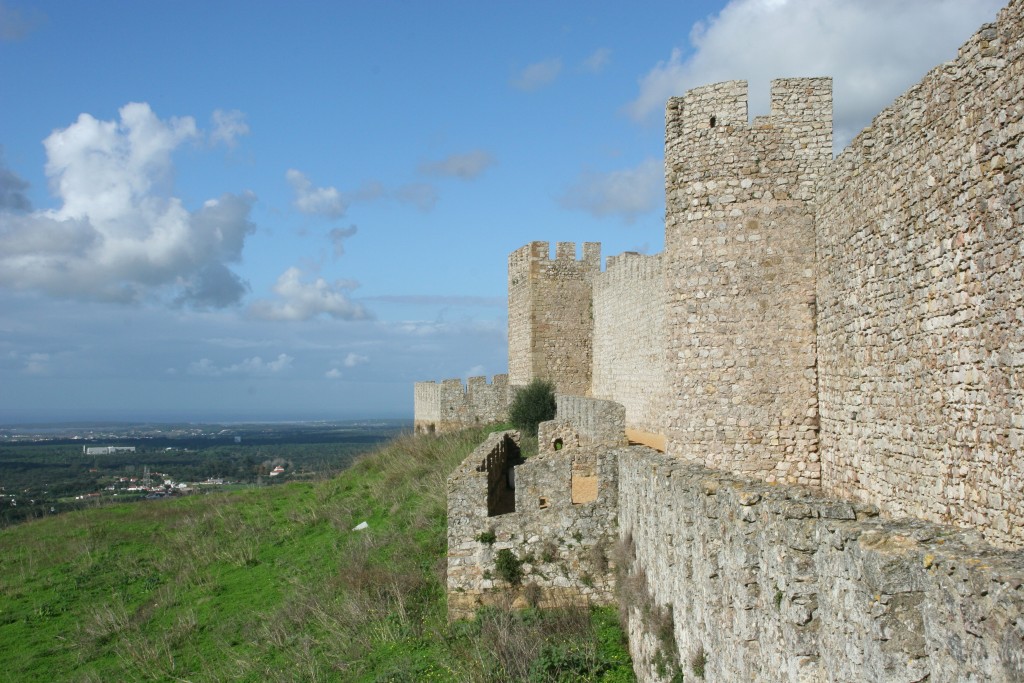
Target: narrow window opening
(501, 483)
(558, 444)
(712, 122)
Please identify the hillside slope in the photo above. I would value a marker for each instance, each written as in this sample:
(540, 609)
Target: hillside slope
(273, 584)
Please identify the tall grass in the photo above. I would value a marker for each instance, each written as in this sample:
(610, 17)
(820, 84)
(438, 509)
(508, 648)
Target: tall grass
(273, 584)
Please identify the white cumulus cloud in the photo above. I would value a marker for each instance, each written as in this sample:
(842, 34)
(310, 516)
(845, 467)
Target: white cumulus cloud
(626, 193)
(119, 234)
(333, 373)
(322, 201)
(298, 300)
(538, 75)
(873, 50)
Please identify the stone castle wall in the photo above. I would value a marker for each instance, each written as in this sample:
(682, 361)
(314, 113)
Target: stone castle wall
(450, 405)
(629, 338)
(550, 316)
(920, 296)
(740, 273)
(870, 307)
(777, 583)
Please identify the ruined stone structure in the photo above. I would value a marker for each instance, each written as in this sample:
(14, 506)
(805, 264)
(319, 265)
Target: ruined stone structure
(557, 513)
(451, 405)
(830, 355)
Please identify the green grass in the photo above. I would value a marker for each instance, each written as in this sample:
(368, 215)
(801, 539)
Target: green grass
(271, 584)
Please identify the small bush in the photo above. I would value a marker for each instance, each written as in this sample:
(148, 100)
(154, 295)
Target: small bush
(487, 537)
(509, 567)
(533, 404)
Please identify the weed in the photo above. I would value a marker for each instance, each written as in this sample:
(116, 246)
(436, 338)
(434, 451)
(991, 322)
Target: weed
(778, 599)
(548, 552)
(532, 593)
(487, 537)
(698, 660)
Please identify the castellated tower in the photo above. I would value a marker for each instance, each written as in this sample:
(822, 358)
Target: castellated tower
(740, 279)
(550, 316)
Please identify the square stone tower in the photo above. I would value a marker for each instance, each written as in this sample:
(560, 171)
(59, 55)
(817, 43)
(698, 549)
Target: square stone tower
(550, 315)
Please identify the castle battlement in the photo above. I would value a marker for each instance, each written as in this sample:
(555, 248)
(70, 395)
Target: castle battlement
(451, 405)
(549, 314)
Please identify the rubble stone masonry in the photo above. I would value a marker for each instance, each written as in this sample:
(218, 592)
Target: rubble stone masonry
(920, 238)
(779, 583)
(739, 269)
(451, 405)
(550, 316)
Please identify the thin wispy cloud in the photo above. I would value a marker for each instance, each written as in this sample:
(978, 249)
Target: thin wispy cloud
(423, 196)
(538, 75)
(353, 359)
(228, 126)
(598, 60)
(873, 50)
(465, 166)
(253, 366)
(625, 193)
(337, 236)
(118, 233)
(16, 24)
(432, 300)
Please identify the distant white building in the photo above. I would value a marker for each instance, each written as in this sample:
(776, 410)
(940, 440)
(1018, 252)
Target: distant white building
(107, 450)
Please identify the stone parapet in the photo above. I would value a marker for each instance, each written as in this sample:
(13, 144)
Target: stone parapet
(778, 583)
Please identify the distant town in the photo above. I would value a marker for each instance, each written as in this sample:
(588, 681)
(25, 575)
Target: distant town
(50, 469)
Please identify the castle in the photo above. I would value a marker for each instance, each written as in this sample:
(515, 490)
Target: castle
(823, 379)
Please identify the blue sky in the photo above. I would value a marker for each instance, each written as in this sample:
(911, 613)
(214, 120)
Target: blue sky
(256, 210)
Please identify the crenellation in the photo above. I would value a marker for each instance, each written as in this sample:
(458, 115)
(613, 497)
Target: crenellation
(550, 318)
(451, 405)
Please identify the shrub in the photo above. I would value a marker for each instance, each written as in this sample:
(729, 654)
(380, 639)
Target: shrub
(487, 537)
(533, 404)
(509, 567)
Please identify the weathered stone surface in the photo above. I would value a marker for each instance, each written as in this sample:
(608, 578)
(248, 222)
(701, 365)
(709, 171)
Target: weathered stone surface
(920, 237)
(772, 597)
(740, 273)
(564, 541)
(550, 317)
(450, 405)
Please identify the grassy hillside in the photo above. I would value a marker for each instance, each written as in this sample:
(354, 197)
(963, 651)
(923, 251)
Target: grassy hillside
(272, 584)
